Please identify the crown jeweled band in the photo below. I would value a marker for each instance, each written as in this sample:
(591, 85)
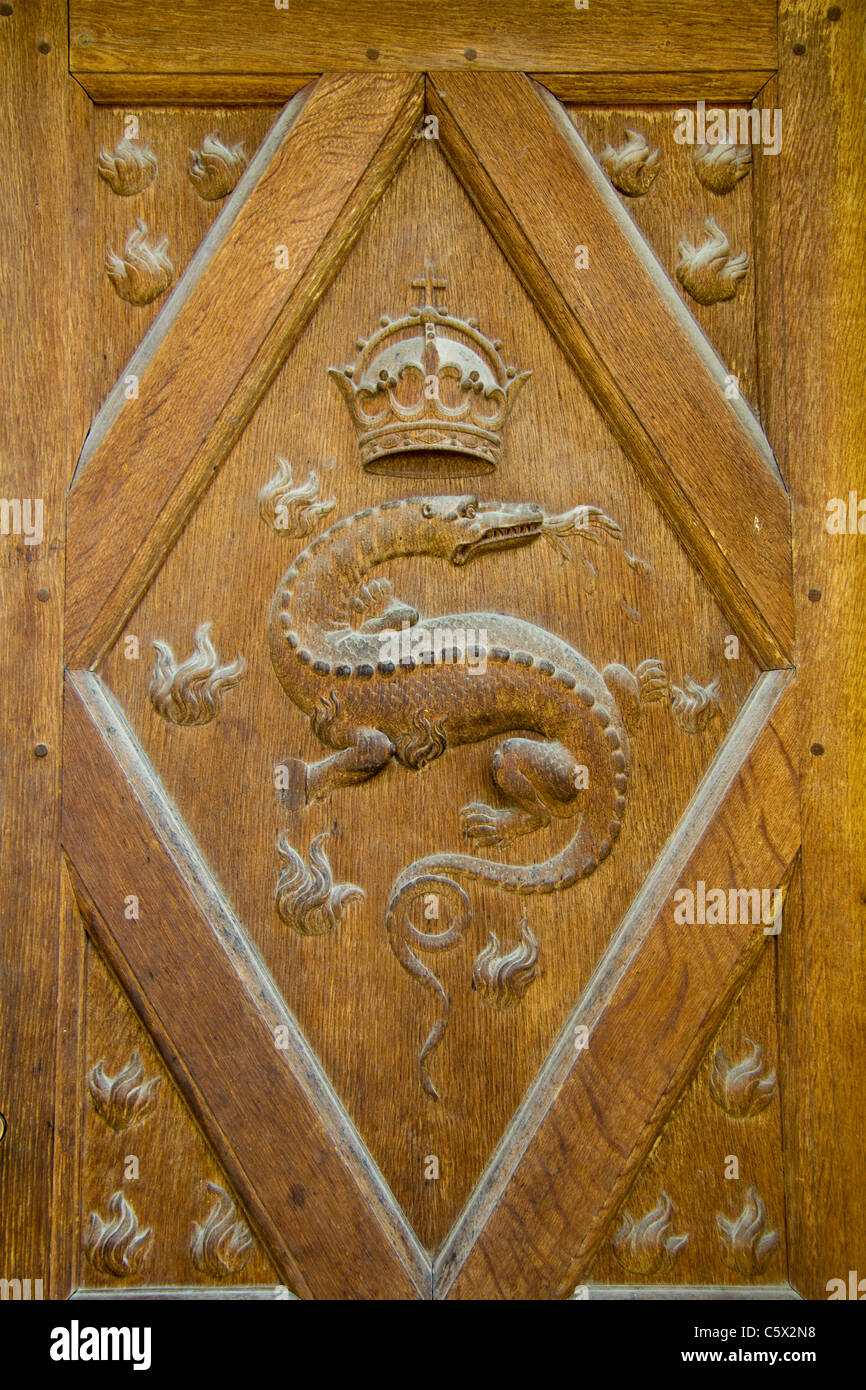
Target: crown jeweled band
(429, 382)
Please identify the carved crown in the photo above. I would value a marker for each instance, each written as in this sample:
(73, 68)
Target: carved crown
(429, 382)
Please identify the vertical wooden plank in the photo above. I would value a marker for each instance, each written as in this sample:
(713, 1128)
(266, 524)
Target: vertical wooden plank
(821, 320)
(34, 124)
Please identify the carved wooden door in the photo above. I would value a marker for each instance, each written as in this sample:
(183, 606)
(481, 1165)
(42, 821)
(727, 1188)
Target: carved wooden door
(429, 713)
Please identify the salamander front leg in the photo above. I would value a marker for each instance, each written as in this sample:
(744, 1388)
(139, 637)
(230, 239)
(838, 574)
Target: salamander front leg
(369, 752)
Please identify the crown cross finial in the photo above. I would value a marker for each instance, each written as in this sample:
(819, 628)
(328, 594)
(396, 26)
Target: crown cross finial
(429, 284)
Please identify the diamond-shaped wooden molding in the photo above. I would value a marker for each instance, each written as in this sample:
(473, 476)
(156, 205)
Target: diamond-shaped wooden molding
(291, 1151)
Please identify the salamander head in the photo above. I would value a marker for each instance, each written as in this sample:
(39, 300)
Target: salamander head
(469, 527)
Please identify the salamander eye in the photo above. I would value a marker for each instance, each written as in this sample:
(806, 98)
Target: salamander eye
(427, 509)
(470, 508)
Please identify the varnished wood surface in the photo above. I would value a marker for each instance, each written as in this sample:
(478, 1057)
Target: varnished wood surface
(822, 314)
(589, 1121)
(628, 334)
(34, 392)
(219, 36)
(334, 151)
(558, 451)
(327, 1219)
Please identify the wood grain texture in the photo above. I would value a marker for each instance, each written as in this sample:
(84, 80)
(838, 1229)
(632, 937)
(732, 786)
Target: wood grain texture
(690, 1161)
(313, 186)
(287, 1146)
(169, 206)
(34, 390)
(175, 1163)
(645, 88)
(220, 36)
(226, 566)
(677, 205)
(593, 1115)
(203, 88)
(821, 314)
(628, 334)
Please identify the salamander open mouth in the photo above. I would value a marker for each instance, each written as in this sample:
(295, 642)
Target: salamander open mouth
(497, 538)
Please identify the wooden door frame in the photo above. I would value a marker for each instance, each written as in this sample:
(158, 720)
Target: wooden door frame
(811, 410)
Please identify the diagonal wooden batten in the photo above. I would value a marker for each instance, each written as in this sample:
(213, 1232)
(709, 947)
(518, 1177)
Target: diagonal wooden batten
(661, 988)
(288, 1146)
(642, 357)
(150, 458)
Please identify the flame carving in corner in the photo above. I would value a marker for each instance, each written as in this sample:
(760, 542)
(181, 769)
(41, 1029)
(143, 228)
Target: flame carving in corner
(591, 523)
(307, 898)
(644, 1247)
(633, 168)
(289, 510)
(192, 693)
(502, 980)
(143, 272)
(130, 169)
(223, 1244)
(694, 707)
(709, 273)
(125, 1099)
(720, 167)
(216, 168)
(744, 1089)
(746, 1244)
(116, 1246)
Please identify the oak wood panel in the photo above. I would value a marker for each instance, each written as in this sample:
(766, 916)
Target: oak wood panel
(677, 205)
(67, 1113)
(245, 89)
(169, 1192)
(313, 185)
(203, 88)
(821, 316)
(644, 88)
(217, 36)
(769, 270)
(287, 1147)
(690, 1161)
(593, 1115)
(170, 207)
(34, 392)
(629, 335)
(225, 566)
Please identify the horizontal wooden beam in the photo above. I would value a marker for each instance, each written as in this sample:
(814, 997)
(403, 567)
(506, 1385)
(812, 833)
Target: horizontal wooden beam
(275, 88)
(250, 288)
(232, 36)
(195, 88)
(622, 324)
(233, 1048)
(657, 995)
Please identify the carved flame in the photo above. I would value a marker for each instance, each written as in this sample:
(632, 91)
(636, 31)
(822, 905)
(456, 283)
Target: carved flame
(644, 1247)
(143, 272)
(129, 169)
(116, 1246)
(720, 167)
(502, 980)
(744, 1089)
(694, 707)
(192, 693)
(216, 168)
(633, 168)
(746, 1245)
(292, 510)
(709, 273)
(223, 1244)
(125, 1099)
(307, 898)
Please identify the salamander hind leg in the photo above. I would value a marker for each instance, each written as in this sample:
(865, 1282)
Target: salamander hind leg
(541, 781)
(648, 683)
